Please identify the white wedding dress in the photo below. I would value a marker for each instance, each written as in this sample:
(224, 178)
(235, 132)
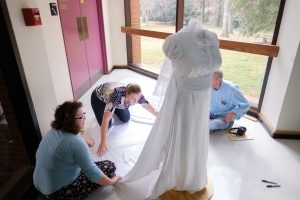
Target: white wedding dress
(175, 153)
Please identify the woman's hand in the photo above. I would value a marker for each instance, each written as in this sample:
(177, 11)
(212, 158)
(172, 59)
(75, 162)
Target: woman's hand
(109, 181)
(102, 149)
(115, 179)
(90, 143)
(151, 109)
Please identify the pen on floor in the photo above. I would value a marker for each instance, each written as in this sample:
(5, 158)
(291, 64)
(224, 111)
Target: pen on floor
(271, 186)
(265, 181)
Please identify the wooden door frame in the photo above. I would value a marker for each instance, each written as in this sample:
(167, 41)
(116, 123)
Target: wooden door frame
(20, 113)
(14, 75)
(102, 35)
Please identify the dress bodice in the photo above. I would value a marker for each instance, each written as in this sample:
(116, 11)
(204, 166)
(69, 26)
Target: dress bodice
(193, 54)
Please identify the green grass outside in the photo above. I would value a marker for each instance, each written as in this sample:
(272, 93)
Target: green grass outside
(244, 69)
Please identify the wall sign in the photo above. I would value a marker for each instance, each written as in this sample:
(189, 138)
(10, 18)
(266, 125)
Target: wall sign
(53, 9)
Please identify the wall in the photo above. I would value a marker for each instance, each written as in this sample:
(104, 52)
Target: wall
(113, 14)
(55, 49)
(280, 91)
(290, 112)
(43, 73)
(106, 22)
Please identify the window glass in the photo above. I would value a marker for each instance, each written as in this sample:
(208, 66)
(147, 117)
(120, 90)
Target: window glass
(242, 20)
(239, 20)
(158, 15)
(246, 71)
(152, 55)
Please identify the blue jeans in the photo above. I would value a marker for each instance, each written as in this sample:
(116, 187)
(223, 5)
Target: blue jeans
(98, 108)
(217, 122)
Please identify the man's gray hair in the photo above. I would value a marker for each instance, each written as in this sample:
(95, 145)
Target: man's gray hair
(219, 74)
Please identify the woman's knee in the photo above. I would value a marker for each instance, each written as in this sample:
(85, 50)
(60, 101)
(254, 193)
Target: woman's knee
(125, 118)
(112, 165)
(123, 115)
(106, 164)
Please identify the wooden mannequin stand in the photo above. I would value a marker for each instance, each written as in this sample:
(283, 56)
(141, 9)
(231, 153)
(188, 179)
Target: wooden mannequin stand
(205, 194)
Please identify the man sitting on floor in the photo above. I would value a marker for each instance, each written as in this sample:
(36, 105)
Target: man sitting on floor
(227, 103)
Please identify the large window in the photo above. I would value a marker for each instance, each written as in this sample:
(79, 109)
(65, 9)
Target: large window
(155, 15)
(158, 15)
(151, 54)
(238, 20)
(245, 70)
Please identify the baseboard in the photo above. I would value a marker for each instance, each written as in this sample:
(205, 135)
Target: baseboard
(283, 134)
(82, 89)
(96, 77)
(120, 67)
(278, 134)
(138, 70)
(253, 112)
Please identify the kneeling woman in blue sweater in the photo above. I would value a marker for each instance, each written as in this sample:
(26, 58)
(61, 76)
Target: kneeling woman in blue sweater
(64, 166)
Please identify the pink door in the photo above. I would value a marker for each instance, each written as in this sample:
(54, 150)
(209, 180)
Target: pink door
(85, 58)
(93, 43)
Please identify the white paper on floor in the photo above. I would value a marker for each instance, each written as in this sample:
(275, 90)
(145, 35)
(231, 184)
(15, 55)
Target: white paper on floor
(125, 142)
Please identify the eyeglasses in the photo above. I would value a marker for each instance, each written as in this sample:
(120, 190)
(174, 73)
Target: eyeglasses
(82, 117)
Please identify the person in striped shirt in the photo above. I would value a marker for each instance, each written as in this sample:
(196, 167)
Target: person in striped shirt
(115, 98)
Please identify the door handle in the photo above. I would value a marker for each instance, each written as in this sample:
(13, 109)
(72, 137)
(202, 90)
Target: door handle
(85, 27)
(82, 28)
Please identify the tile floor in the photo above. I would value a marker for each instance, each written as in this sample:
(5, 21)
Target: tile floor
(236, 168)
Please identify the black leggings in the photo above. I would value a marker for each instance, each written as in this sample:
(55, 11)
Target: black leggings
(98, 108)
(82, 186)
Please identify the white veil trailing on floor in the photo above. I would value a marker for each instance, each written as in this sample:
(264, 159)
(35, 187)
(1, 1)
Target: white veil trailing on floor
(175, 153)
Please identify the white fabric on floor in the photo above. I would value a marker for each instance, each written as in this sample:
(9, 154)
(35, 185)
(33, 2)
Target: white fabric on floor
(125, 140)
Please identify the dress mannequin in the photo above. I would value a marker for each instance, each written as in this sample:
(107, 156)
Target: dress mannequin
(175, 153)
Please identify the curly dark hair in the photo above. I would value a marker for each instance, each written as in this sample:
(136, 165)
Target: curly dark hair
(64, 117)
